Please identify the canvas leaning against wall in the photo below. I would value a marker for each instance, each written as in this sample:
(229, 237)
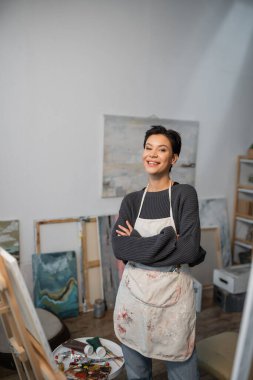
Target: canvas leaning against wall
(9, 237)
(55, 283)
(111, 267)
(123, 144)
(213, 212)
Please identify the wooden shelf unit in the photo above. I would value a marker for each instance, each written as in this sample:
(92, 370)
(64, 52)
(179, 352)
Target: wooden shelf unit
(242, 236)
(243, 216)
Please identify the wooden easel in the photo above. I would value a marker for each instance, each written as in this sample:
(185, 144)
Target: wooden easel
(30, 349)
(88, 264)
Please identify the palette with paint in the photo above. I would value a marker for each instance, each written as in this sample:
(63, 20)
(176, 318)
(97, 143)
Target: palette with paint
(94, 367)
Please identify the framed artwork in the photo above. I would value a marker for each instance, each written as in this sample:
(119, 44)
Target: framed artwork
(123, 144)
(55, 283)
(244, 230)
(9, 237)
(213, 213)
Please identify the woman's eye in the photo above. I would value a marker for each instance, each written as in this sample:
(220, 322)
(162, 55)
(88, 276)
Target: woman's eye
(147, 148)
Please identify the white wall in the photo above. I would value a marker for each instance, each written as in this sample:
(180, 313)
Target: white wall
(63, 64)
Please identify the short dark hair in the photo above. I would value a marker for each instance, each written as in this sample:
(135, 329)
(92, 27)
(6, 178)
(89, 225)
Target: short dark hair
(173, 136)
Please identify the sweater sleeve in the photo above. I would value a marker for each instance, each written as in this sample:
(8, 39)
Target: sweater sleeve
(188, 243)
(165, 248)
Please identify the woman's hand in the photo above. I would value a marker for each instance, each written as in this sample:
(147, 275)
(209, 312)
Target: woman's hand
(125, 231)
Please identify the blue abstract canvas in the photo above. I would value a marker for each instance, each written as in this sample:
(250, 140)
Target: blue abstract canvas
(55, 283)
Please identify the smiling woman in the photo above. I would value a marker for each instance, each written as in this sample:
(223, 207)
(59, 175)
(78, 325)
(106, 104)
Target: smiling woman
(157, 235)
(164, 141)
(158, 158)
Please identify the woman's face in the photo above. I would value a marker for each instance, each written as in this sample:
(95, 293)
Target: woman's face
(158, 155)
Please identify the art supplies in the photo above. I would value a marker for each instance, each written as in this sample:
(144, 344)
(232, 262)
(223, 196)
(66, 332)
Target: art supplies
(79, 346)
(72, 360)
(97, 345)
(79, 365)
(89, 372)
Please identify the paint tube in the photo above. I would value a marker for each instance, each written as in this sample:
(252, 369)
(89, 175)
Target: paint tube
(76, 345)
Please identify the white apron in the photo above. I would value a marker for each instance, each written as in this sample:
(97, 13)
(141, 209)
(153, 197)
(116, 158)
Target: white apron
(155, 307)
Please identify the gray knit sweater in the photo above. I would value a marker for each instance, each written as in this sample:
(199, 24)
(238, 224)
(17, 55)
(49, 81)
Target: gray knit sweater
(163, 249)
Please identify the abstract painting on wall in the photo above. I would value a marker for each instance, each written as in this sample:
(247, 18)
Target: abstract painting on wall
(55, 283)
(111, 267)
(123, 144)
(9, 237)
(213, 212)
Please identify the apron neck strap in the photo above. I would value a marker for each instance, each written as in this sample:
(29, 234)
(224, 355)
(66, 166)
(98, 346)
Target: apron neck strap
(143, 197)
(142, 200)
(171, 213)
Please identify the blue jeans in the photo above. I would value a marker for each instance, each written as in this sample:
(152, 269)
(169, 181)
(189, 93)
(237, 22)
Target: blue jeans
(140, 367)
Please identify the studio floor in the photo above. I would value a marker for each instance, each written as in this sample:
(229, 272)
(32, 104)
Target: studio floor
(210, 321)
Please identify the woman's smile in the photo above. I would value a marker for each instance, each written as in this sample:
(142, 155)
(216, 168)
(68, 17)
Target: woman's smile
(152, 163)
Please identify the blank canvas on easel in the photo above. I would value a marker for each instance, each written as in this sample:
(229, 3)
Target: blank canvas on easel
(31, 352)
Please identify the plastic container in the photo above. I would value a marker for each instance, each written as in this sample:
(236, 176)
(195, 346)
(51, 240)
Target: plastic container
(99, 308)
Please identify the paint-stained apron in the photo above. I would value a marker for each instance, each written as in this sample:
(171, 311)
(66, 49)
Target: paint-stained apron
(155, 307)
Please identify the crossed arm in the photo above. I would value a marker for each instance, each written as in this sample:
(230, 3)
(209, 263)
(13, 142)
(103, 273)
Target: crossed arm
(166, 248)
